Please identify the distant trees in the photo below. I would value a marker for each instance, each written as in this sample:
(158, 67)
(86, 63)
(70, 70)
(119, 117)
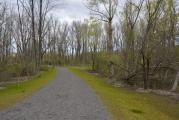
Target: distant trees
(138, 48)
(6, 32)
(37, 25)
(24, 32)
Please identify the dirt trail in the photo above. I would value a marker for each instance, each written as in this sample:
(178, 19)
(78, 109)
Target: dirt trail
(66, 98)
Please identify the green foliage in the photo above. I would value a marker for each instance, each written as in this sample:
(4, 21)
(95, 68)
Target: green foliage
(55, 59)
(9, 71)
(102, 65)
(128, 105)
(12, 68)
(29, 69)
(44, 68)
(104, 60)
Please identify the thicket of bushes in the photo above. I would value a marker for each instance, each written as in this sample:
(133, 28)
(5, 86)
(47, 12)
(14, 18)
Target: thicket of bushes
(14, 70)
(160, 79)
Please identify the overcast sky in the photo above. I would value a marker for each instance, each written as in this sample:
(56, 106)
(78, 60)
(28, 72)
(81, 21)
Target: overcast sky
(74, 10)
(69, 10)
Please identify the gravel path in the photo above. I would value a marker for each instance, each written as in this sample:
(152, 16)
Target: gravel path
(66, 98)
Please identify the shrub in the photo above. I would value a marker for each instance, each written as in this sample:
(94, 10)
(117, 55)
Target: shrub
(104, 61)
(9, 71)
(44, 68)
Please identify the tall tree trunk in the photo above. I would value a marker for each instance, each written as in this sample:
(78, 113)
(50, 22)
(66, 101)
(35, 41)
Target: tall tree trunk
(110, 38)
(144, 74)
(40, 34)
(33, 33)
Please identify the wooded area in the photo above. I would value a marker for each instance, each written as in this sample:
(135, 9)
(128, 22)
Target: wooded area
(135, 45)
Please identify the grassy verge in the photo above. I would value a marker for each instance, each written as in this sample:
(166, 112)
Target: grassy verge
(128, 105)
(17, 92)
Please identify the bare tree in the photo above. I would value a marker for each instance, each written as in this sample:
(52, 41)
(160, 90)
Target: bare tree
(105, 13)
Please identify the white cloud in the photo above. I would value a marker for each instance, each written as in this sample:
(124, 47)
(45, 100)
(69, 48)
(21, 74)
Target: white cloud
(72, 10)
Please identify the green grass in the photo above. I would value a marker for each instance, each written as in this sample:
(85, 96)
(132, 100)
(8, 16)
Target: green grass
(124, 104)
(17, 92)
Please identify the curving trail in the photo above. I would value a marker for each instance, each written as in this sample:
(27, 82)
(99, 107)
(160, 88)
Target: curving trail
(66, 98)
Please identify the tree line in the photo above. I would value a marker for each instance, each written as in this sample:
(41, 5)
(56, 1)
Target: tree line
(134, 44)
